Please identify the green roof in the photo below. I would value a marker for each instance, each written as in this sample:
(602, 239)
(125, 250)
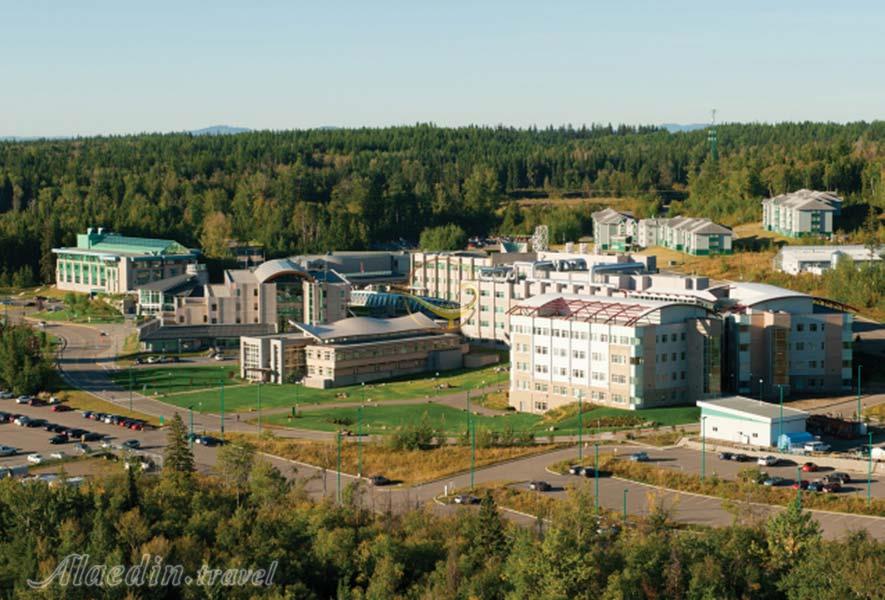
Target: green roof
(113, 243)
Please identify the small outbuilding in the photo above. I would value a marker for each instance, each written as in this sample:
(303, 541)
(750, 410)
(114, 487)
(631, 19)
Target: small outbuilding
(747, 421)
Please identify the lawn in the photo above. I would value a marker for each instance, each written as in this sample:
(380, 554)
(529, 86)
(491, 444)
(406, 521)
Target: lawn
(605, 418)
(175, 380)
(380, 419)
(76, 316)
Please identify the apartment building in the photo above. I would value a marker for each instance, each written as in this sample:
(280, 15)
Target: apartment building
(621, 352)
(352, 351)
(110, 263)
(778, 338)
(696, 236)
(817, 259)
(439, 274)
(801, 213)
(613, 230)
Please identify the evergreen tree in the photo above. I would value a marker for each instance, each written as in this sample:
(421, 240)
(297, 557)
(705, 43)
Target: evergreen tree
(178, 458)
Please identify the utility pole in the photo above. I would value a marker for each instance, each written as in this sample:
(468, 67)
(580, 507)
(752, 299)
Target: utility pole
(580, 427)
(259, 408)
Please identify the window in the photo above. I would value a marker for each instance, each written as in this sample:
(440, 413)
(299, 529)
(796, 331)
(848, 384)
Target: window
(255, 292)
(579, 354)
(812, 327)
(664, 357)
(540, 406)
(541, 369)
(800, 345)
(540, 349)
(578, 373)
(800, 327)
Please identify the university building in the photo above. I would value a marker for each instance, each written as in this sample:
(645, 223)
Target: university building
(801, 213)
(109, 263)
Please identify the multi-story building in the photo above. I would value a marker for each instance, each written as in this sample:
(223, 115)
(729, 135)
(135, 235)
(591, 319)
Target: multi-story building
(817, 259)
(802, 213)
(622, 352)
(486, 301)
(700, 237)
(104, 262)
(613, 230)
(778, 338)
(439, 274)
(352, 351)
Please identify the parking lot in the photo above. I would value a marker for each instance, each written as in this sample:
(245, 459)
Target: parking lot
(30, 440)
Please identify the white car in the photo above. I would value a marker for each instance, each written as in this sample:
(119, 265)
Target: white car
(106, 444)
(218, 357)
(81, 448)
(816, 446)
(22, 399)
(35, 459)
(22, 420)
(4, 395)
(57, 456)
(8, 451)
(767, 461)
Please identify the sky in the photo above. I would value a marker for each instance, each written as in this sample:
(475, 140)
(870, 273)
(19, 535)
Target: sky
(81, 67)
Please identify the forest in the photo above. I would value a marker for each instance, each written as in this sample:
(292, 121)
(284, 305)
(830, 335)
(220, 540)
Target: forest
(317, 190)
(246, 514)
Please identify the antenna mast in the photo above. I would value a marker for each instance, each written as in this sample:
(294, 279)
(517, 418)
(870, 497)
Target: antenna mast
(713, 138)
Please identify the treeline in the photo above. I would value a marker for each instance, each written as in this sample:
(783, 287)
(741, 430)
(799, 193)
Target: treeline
(316, 190)
(249, 516)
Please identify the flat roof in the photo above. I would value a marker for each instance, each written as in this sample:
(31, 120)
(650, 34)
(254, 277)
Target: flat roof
(362, 327)
(227, 330)
(855, 251)
(617, 310)
(750, 293)
(743, 406)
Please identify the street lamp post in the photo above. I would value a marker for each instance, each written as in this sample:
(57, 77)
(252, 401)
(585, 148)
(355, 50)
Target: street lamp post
(222, 409)
(761, 389)
(859, 408)
(259, 408)
(338, 487)
(190, 438)
(580, 427)
(596, 476)
(625, 504)
(799, 486)
(703, 447)
(870, 472)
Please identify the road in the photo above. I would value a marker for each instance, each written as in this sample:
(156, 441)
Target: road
(88, 357)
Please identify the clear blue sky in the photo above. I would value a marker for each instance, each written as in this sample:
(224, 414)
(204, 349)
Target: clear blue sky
(89, 67)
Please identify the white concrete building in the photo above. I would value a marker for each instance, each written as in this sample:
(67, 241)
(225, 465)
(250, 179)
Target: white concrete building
(801, 213)
(439, 274)
(746, 421)
(817, 259)
(620, 352)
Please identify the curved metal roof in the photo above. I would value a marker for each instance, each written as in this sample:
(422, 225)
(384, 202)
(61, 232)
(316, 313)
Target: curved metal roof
(271, 269)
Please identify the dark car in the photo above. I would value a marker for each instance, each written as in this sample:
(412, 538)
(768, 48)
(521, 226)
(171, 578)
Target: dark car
(5, 417)
(50, 426)
(740, 457)
(802, 484)
(92, 436)
(379, 480)
(466, 499)
(839, 476)
(208, 440)
(37, 402)
(37, 423)
(576, 470)
(77, 433)
(725, 456)
(539, 486)
(831, 487)
(87, 414)
(97, 416)
(131, 444)
(61, 408)
(58, 439)
(815, 486)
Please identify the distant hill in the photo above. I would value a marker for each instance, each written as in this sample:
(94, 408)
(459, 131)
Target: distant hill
(674, 127)
(220, 130)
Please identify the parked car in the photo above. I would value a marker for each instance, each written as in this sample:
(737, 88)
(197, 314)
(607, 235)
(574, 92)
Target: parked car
(36, 423)
(725, 456)
(639, 457)
(809, 467)
(53, 400)
(76, 433)
(21, 420)
(576, 470)
(802, 484)
(539, 486)
(35, 459)
(816, 446)
(106, 445)
(131, 444)
(219, 357)
(36, 402)
(80, 448)
(379, 480)
(61, 408)
(831, 487)
(815, 486)
(208, 441)
(466, 499)
(8, 451)
(152, 360)
(22, 399)
(92, 436)
(774, 481)
(87, 414)
(57, 456)
(767, 461)
(740, 457)
(839, 476)
(58, 439)
(4, 395)
(137, 425)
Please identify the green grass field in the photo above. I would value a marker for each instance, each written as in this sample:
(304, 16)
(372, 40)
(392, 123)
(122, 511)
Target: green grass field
(202, 388)
(379, 419)
(171, 380)
(675, 415)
